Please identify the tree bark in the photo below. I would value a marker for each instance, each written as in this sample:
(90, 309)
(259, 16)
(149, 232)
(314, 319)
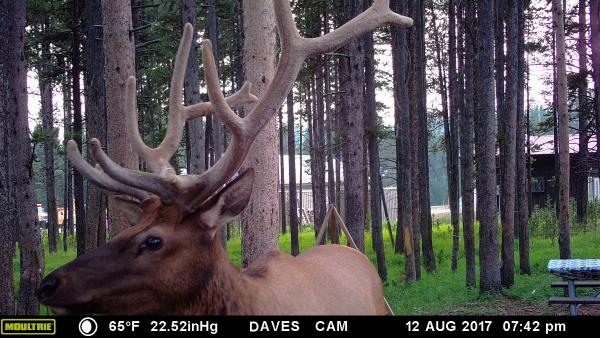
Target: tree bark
(400, 63)
(489, 267)
(8, 116)
(415, 141)
(563, 131)
(508, 146)
(118, 66)
(522, 185)
(353, 156)
(191, 93)
(467, 142)
(78, 183)
(582, 169)
(292, 175)
(261, 217)
(451, 134)
(373, 138)
(282, 175)
(595, 48)
(31, 251)
(47, 112)
(329, 144)
(95, 108)
(68, 198)
(423, 150)
(319, 195)
(310, 114)
(499, 61)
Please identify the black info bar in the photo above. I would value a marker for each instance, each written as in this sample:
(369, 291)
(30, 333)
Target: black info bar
(298, 326)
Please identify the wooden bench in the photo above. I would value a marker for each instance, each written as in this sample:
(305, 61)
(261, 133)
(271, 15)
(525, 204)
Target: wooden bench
(576, 273)
(574, 300)
(578, 284)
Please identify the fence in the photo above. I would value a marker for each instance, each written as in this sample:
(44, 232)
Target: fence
(390, 196)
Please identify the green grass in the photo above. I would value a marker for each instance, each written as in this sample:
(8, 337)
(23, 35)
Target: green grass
(441, 292)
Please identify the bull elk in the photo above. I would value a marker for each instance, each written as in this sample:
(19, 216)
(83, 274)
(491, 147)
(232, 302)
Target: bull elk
(169, 261)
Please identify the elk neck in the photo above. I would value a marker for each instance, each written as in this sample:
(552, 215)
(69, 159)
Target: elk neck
(225, 290)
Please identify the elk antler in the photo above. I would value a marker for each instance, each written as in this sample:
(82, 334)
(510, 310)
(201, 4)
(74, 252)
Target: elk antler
(190, 191)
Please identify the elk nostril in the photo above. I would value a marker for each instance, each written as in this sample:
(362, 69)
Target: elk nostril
(47, 288)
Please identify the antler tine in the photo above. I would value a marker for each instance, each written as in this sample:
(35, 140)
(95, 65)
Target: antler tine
(294, 50)
(158, 158)
(236, 100)
(98, 177)
(376, 15)
(139, 179)
(222, 109)
(176, 123)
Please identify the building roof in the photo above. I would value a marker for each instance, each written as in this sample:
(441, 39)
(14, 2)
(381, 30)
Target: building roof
(544, 144)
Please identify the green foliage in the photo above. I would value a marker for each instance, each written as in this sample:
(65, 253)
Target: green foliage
(544, 223)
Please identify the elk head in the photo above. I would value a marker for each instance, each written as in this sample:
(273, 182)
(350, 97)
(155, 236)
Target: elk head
(170, 254)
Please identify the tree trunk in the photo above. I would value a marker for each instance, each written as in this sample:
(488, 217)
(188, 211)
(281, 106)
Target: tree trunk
(451, 134)
(400, 55)
(563, 131)
(489, 267)
(300, 205)
(47, 112)
(320, 197)
(292, 175)
(415, 142)
(282, 175)
(30, 248)
(310, 114)
(508, 145)
(499, 61)
(373, 138)
(118, 66)
(423, 150)
(261, 217)
(582, 169)
(467, 144)
(595, 47)
(68, 198)
(95, 108)
(329, 120)
(352, 147)
(522, 185)
(191, 94)
(78, 184)
(8, 116)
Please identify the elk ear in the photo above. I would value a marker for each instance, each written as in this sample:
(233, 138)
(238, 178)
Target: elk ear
(228, 203)
(132, 210)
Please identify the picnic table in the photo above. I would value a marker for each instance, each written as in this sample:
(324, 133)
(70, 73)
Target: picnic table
(576, 273)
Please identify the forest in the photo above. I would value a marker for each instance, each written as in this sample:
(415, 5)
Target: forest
(458, 147)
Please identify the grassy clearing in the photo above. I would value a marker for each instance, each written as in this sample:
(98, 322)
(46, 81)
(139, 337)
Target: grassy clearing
(444, 291)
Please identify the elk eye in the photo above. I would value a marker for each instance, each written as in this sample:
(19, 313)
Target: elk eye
(153, 243)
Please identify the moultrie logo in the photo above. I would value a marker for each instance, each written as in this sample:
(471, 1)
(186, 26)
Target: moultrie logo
(28, 326)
